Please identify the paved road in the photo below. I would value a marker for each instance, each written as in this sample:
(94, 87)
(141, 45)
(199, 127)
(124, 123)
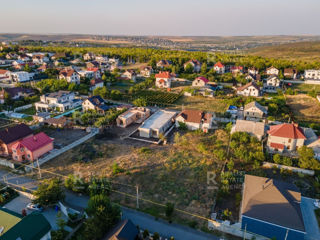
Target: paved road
(17, 180)
(145, 221)
(309, 217)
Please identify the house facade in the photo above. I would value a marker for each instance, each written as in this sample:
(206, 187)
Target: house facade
(250, 89)
(312, 74)
(195, 119)
(32, 148)
(133, 115)
(290, 73)
(96, 83)
(272, 71)
(95, 103)
(70, 75)
(58, 101)
(129, 74)
(146, 71)
(253, 71)
(164, 63)
(5, 75)
(12, 135)
(219, 68)
(285, 137)
(164, 79)
(272, 84)
(254, 110)
(21, 76)
(200, 82)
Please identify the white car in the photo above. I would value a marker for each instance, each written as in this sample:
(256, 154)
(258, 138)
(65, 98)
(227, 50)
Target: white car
(35, 207)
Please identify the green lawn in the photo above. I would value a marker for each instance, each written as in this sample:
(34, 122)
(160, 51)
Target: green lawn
(202, 103)
(29, 111)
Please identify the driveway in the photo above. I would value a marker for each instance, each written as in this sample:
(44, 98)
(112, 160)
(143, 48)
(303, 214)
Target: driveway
(309, 218)
(19, 203)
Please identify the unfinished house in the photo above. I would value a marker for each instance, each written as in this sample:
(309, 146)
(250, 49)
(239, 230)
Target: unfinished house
(133, 115)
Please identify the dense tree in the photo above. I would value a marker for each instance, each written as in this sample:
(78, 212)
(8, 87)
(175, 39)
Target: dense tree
(306, 158)
(49, 192)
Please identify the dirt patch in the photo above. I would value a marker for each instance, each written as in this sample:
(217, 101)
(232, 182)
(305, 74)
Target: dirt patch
(64, 137)
(304, 107)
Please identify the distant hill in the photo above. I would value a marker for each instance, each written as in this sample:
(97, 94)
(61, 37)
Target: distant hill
(308, 51)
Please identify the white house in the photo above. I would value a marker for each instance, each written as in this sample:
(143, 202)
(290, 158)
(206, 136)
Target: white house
(129, 74)
(272, 84)
(164, 63)
(58, 101)
(164, 79)
(157, 124)
(254, 110)
(40, 59)
(312, 74)
(95, 83)
(70, 75)
(195, 64)
(195, 119)
(200, 82)
(250, 89)
(285, 137)
(21, 76)
(272, 71)
(219, 68)
(146, 71)
(253, 71)
(89, 56)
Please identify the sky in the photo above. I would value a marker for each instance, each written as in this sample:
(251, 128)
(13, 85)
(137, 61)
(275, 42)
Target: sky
(162, 17)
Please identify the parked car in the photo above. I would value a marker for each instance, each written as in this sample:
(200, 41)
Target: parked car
(35, 207)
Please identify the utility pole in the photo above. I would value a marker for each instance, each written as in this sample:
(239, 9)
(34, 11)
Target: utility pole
(285, 238)
(39, 168)
(137, 190)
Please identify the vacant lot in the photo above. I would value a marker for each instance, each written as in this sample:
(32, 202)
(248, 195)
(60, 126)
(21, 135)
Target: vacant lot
(172, 173)
(304, 108)
(202, 103)
(64, 136)
(305, 88)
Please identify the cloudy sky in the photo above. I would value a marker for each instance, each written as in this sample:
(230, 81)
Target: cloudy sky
(164, 17)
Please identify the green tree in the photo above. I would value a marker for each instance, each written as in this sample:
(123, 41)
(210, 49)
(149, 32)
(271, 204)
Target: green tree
(169, 210)
(103, 215)
(49, 192)
(140, 102)
(188, 68)
(61, 223)
(277, 158)
(306, 158)
(204, 68)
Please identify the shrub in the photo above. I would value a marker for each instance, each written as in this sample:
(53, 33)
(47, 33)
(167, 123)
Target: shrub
(116, 169)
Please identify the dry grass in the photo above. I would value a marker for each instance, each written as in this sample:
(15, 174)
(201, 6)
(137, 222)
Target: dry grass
(171, 173)
(304, 107)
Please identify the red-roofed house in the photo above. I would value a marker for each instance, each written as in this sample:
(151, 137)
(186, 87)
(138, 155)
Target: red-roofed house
(70, 75)
(5, 75)
(287, 136)
(31, 148)
(236, 69)
(200, 82)
(219, 68)
(163, 79)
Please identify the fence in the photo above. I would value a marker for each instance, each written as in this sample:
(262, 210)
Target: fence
(293, 169)
(22, 107)
(6, 163)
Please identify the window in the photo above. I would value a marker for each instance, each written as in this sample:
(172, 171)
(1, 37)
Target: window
(28, 156)
(289, 141)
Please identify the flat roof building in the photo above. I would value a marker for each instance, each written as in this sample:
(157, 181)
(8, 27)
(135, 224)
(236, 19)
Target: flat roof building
(157, 124)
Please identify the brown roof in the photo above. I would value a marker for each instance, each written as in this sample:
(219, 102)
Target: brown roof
(195, 116)
(248, 85)
(15, 133)
(56, 121)
(67, 72)
(272, 201)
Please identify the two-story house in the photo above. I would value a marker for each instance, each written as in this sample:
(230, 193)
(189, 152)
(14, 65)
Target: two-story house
(164, 79)
(219, 68)
(271, 84)
(129, 74)
(200, 82)
(285, 137)
(195, 119)
(58, 101)
(194, 63)
(250, 89)
(70, 75)
(272, 71)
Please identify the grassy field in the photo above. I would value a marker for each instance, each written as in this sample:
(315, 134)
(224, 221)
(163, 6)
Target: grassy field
(304, 107)
(202, 103)
(307, 51)
(305, 88)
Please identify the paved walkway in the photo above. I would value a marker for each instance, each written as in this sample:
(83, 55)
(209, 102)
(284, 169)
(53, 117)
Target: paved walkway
(309, 218)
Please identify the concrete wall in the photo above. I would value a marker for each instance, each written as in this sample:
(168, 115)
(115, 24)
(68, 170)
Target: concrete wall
(22, 107)
(293, 169)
